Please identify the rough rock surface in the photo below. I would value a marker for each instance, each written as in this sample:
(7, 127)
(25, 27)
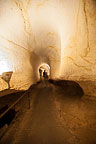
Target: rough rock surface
(59, 33)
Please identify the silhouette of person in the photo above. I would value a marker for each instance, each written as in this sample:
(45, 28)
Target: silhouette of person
(40, 71)
(44, 73)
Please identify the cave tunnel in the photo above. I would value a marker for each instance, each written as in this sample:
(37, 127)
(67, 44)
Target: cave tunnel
(48, 61)
(44, 71)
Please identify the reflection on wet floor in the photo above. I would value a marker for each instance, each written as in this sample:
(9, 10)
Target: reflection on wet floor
(59, 115)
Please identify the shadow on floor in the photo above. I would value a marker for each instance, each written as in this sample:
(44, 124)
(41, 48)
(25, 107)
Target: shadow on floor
(8, 117)
(71, 89)
(5, 102)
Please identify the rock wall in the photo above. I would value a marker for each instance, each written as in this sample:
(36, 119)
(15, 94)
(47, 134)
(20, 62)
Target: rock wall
(79, 60)
(59, 33)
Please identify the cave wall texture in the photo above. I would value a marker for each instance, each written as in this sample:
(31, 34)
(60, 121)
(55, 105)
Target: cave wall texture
(61, 33)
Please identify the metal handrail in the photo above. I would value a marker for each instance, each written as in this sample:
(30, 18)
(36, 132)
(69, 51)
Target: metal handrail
(15, 104)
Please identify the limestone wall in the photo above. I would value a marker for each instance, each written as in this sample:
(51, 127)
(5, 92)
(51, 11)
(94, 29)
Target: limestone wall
(61, 33)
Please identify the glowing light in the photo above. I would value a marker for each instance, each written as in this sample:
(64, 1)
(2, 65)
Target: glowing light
(46, 67)
(4, 67)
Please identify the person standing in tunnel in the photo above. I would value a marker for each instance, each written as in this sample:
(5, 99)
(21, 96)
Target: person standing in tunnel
(40, 71)
(44, 74)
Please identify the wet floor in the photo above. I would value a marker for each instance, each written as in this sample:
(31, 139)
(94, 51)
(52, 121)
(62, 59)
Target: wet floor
(55, 117)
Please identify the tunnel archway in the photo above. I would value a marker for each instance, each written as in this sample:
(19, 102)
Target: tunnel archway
(44, 71)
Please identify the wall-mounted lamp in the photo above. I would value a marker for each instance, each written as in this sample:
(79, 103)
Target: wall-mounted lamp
(6, 76)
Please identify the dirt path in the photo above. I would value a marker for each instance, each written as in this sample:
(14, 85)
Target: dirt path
(55, 119)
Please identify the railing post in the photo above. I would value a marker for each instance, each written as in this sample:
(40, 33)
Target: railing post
(29, 99)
